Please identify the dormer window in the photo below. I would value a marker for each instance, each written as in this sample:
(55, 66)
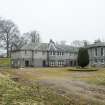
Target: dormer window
(52, 53)
(52, 45)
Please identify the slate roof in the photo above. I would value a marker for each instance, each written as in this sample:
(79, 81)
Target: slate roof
(98, 44)
(66, 48)
(45, 47)
(35, 46)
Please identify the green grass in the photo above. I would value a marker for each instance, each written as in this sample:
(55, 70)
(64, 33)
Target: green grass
(5, 62)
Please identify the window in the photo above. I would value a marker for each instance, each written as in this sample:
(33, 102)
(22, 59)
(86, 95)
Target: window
(102, 60)
(90, 52)
(70, 54)
(43, 52)
(95, 51)
(102, 53)
(52, 63)
(60, 53)
(52, 53)
(25, 51)
(60, 63)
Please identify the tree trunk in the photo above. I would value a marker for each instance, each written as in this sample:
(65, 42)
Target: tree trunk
(7, 45)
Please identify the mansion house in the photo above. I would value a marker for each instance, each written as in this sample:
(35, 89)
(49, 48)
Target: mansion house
(37, 54)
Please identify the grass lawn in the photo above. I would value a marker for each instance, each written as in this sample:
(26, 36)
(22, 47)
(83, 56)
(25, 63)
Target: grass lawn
(4, 62)
(52, 86)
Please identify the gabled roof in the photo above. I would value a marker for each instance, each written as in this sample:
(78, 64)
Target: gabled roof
(35, 46)
(49, 46)
(67, 48)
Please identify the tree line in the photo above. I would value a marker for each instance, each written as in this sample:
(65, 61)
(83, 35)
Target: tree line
(11, 38)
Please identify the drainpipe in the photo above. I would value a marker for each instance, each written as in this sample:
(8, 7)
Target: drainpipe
(48, 58)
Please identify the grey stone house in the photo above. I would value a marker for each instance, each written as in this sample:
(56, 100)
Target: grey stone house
(97, 54)
(37, 54)
(44, 55)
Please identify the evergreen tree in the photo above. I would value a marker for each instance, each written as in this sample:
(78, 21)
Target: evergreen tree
(83, 57)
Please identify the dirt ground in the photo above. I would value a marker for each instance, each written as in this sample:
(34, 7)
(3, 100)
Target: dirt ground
(78, 88)
(66, 82)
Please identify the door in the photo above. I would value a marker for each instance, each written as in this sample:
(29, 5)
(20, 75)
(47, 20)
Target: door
(71, 63)
(44, 63)
(26, 63)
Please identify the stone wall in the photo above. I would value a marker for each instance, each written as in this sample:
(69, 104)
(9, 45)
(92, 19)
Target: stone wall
(96, 58)
(41, 58)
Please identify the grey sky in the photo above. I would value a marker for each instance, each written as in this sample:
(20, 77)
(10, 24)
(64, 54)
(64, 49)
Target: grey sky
(58, 19)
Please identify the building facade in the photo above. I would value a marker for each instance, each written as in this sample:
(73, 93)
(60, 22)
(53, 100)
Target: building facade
(44, 55)
(97, 54)
(37, 54)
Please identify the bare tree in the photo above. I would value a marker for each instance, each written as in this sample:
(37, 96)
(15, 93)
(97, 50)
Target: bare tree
(18, 42)
(78, 43)
(86, 43)
(7, 32)
(32, 36)
(63, 42)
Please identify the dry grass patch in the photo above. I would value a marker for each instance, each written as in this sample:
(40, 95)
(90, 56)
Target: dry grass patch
(63, 87)
(37, 73)
(83, 69)
(96, 77)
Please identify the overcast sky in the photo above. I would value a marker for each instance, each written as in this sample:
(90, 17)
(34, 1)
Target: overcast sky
(58, 19)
